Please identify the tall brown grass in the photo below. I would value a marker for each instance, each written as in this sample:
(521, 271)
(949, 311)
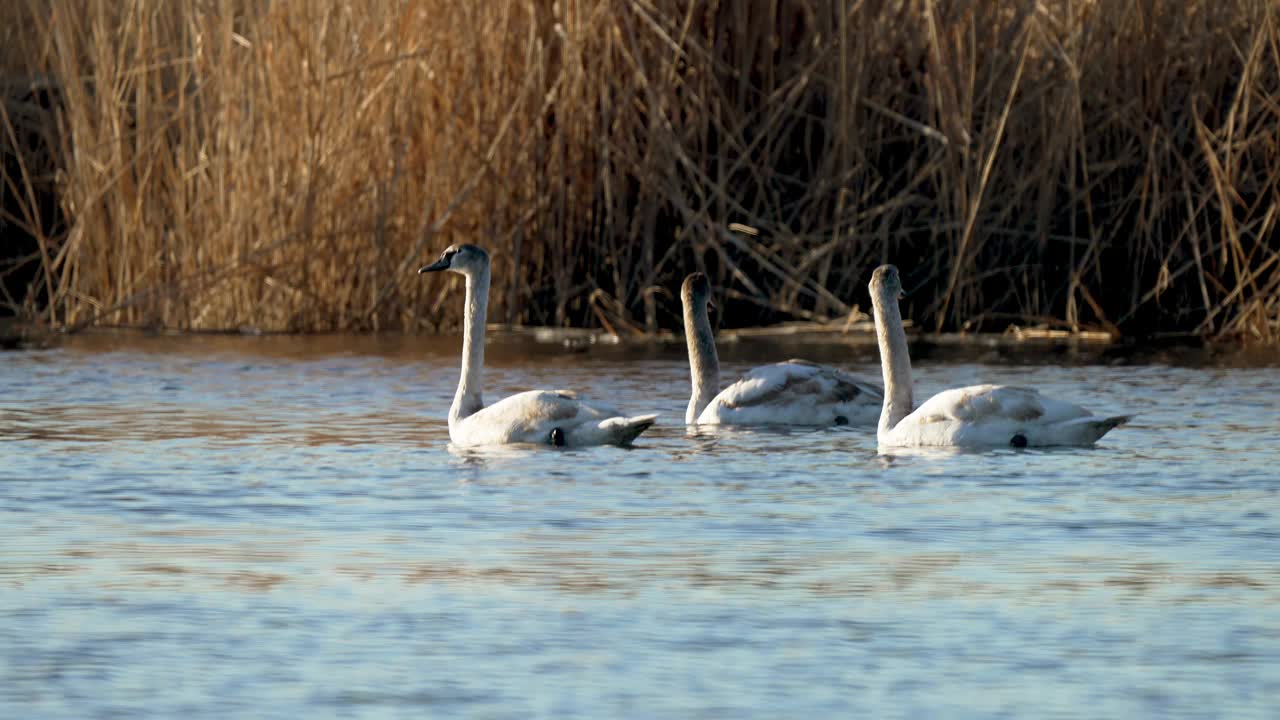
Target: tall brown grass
(286, 165)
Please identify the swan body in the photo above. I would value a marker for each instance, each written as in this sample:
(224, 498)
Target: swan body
(795, 392)
(984, 416)
(537, 416)
(978, 416)
(533, 415)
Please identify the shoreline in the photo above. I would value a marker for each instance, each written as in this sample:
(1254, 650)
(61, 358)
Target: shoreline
(14, 334)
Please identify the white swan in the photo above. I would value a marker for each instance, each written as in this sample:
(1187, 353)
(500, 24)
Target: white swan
(537, 416)
(794, 392)
(978, 416)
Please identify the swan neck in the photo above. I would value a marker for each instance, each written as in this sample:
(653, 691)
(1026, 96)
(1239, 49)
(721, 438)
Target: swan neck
(895, 362)
(468, 399)
(704, 364)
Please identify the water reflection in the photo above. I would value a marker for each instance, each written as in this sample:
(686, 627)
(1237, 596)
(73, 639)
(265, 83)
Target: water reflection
(214, 526)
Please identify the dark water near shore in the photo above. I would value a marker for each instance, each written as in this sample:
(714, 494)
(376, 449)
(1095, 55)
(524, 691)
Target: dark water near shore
(276, 527)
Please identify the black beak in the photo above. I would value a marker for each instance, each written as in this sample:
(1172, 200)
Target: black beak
(441, 264)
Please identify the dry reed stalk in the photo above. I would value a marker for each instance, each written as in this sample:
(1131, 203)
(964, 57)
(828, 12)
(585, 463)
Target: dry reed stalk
(230, 164)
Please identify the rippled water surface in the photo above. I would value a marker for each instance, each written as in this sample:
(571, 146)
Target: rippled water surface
(276, 527)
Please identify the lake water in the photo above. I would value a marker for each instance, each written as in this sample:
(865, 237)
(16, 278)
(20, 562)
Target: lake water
(218, 527)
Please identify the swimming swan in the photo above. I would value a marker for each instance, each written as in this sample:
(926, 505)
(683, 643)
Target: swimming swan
(537, 416)
(794, 392)
(978, 416)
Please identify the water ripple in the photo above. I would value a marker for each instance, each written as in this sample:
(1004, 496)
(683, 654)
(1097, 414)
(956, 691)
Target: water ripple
(280, 527)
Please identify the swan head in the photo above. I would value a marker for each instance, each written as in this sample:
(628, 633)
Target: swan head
(696, 291)
(886, 285)
(464, 259)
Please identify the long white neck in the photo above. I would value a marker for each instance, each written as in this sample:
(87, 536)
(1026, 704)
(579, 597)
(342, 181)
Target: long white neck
(895, 362)
(468, 399)
(704, 365)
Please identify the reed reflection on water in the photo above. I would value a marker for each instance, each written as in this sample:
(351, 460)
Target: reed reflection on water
(262, 527)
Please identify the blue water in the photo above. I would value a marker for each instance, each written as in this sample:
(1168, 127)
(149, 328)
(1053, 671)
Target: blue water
(276, 527)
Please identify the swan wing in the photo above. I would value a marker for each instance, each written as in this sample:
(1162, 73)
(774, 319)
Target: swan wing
(796, 392)
(984, 403)
(532, 416)
(998, 416)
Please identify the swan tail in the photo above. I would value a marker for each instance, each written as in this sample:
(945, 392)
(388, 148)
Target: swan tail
(1105, 425)
(1091, 429)
(1077, 432)
(623, 430)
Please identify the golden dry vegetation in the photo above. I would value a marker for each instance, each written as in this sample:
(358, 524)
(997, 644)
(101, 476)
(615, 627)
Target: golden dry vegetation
(286, 165)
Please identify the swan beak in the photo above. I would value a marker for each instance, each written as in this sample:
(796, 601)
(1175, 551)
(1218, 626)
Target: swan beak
(711, 306)
(441, 264)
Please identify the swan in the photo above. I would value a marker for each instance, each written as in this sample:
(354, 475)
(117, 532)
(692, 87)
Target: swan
(541, 417)
(978, 416)
(795, 392)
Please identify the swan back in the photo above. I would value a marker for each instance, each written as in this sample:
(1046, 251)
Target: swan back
(981, 416)
(795, 392)
(547, 417)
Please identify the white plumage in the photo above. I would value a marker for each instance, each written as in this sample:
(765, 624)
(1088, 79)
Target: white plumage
(978, 416)
(532, 416)
(997, 416)
(795, 392)
(537, 416)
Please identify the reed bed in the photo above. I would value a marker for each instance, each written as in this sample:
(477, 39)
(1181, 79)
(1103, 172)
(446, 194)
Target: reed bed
(285, 166)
